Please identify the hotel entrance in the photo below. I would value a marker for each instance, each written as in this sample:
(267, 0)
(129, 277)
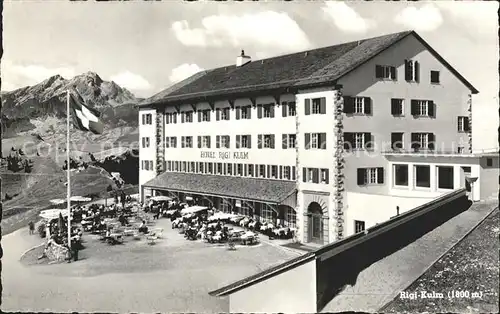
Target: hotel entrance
(315, 223)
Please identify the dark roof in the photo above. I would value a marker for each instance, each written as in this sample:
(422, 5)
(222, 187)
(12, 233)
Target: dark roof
(298, 70)
(251, 189)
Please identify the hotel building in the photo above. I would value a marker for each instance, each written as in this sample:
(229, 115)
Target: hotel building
(298, 139)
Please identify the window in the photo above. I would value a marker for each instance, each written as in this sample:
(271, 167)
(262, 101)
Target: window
(286, 172)
(170, 117)
(204, 141)
(445, 177)
(422, 108)
(290, 218)
(489, 162)
(262, 171)
(193, 167)
(147, 118)
(318, 106)
(401, 175)
(145, 142)
(397, 141)
(358, 141)
(176, 166)
(463, 124)
(229, 169)
(222, 141)
(187, 117)
(324, 176)
(243, 141)
(288, 108)
(204, 115)
(222, 114)
(266, 141)
(171, 142)
(266, 213)
(435, 77)
(184, 166)
(312, 175)
(422, 141)
(315, 140)
(219, 168)
(423, 176)
(210, 168)
(370, 176)
(357, 105)
(294, 173)
(268, 111)
(359, 226)
(187, 142)
(250, 171)
(244, 112)
(274, 172)
(169, 165)
(397, 107)
(385, 72)
(412, 71)
(460, 149)
(288, 141)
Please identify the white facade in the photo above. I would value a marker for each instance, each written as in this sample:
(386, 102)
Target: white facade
(147, 153)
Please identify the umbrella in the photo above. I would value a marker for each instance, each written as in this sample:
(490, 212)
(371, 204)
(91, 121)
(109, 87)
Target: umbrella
(80, 199)
(58, 201)
(161, 198)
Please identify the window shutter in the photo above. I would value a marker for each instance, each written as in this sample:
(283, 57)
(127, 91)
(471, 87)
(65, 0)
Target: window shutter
(238, 138)
(368, 105)
(315, 175)
(408, 73)
(271, 107)
(430, 141)
(416, 68)
(249, 141)
(379, 71)
(327, 174)
(466, 124)
(259, 111)
(322, 140)
(380, 175)
(209, 139)
(368, 141)
(322, 105)
(259, 143)
(217, 114)
(268, 171)
(217, 141)
(284, 108)
(272, 140)
(249, 112)
(284, 141)
(431, 108)
(182, 117)
(304, 175)
(361, 176)
(143, 119)
(307, 142)
(394, 107)
(238, 110)
(307, 107)
(199, 116)
(348, 141)
(175, 117)
(348, 104)
(167, 120)
(199, 141)
(393, 73)
(414, 141)
(209, 113)
(414, 107)
(281, 172)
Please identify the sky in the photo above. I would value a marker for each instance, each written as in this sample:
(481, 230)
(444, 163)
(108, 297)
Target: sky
(147, 46)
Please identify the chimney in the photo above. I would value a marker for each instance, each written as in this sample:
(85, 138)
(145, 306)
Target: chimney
(242, 59)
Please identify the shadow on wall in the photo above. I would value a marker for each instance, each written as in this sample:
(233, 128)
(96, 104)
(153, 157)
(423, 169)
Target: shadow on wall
(335, 274)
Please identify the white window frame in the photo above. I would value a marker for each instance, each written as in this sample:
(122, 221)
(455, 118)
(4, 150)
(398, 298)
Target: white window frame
(359, 138)
(266, 213)
(315, 140)
(291, 142)
(401, 103)
(423, 140)
(266, 111)
(204, 141)
(244, 112)
(291, 217)
(245, 141)
(188, 117)
(188, 144)
(224, 141)
(239, 170)
(224, 114)
(267, 139)
(461, 123)
(262, 174)
(386, 69)
(358, 223)
(423, 108)
(287, 174)
(316, 106)
(310, 175)
(323, 174)
(205, 116)
(415, 177)
(412, 69)
(274, 172)
(394, 168)
(292, 109)
(359, 105)
(371, 176)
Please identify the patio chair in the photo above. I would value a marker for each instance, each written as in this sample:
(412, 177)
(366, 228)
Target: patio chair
(152, 238)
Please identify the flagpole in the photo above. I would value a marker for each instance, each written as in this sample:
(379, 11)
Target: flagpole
(68, 169)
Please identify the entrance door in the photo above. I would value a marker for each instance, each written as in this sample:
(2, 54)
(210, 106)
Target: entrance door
(315, 223)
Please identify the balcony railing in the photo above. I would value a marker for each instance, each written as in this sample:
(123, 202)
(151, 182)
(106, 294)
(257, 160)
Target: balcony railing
(422, 151)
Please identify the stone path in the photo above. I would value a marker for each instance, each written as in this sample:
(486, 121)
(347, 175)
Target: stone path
(382, 281)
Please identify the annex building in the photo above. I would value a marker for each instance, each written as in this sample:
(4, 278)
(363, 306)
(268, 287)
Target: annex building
(289, 139)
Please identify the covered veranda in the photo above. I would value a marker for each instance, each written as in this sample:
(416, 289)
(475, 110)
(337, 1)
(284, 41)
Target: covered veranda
(263, 200)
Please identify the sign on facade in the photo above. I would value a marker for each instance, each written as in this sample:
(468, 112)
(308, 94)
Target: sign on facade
(224, 155)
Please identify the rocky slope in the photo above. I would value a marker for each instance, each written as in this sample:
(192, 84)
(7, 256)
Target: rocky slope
(24, 108)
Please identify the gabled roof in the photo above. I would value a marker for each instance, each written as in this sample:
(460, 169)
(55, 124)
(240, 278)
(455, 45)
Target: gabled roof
(249, 189)
(310, 68)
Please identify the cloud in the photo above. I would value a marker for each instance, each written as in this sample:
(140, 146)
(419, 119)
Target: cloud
(131, 81)
(20, 75)
(346, 18)
(184, 71)
(268, 29)
(425, 18)
(477, 16)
